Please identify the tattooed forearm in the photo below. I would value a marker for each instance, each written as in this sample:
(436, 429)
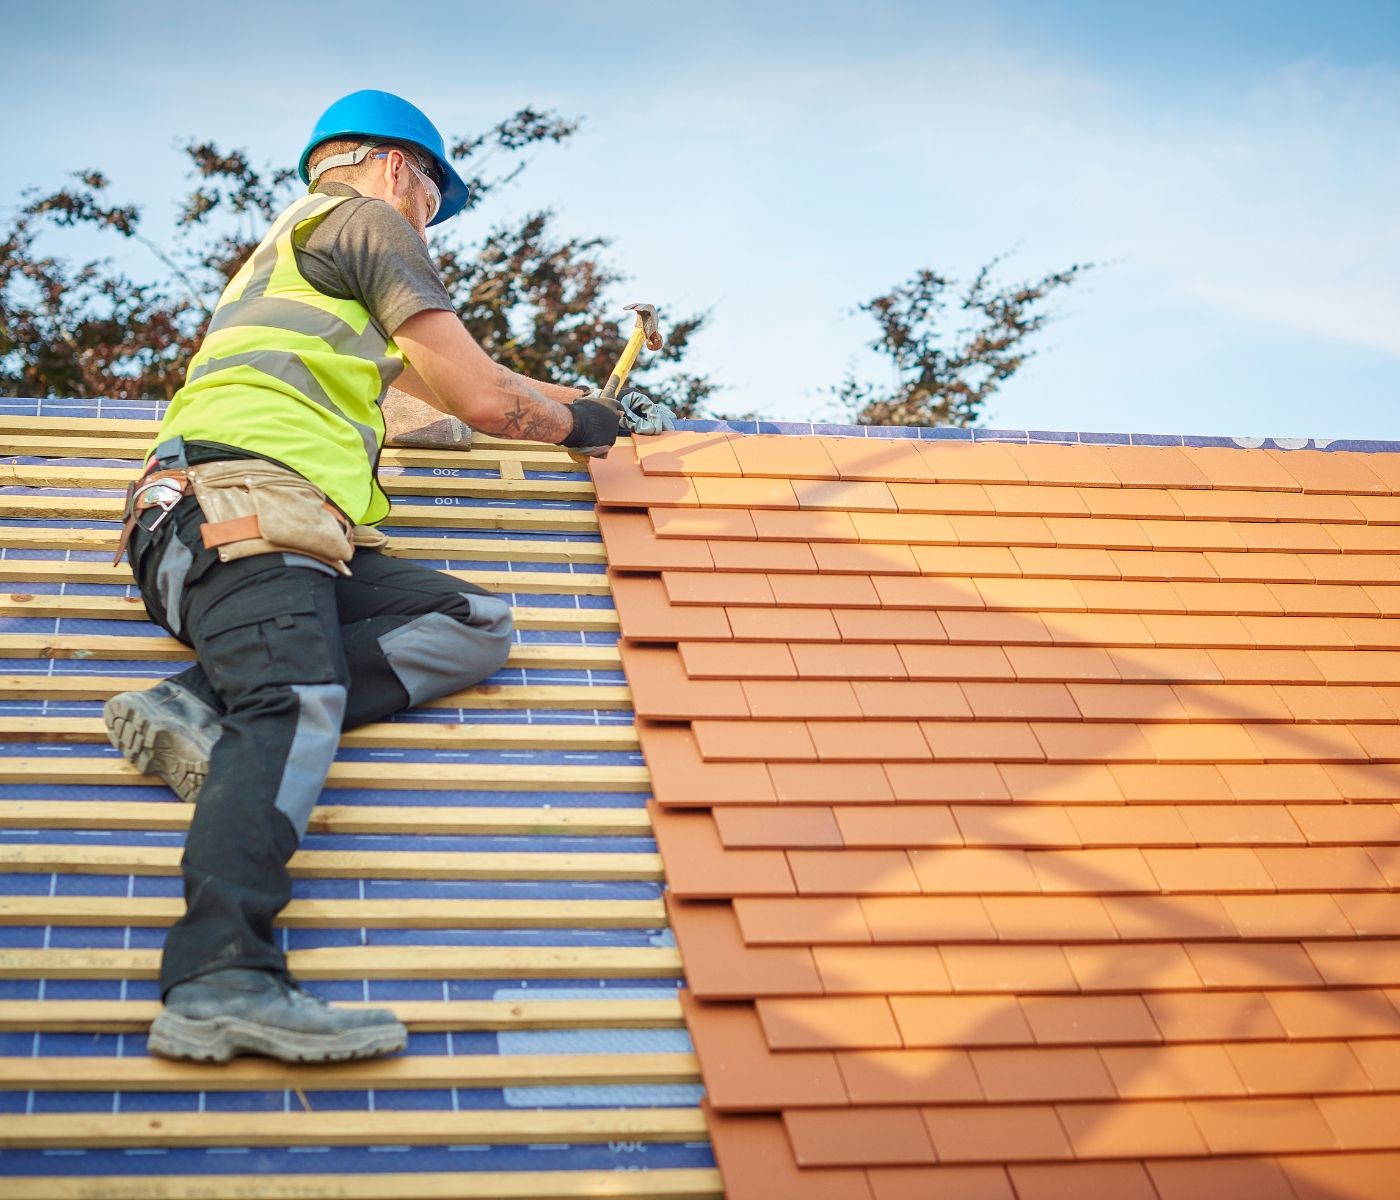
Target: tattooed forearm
(526, 414)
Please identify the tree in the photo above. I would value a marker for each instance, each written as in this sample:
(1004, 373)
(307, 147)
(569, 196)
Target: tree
(943, 375)
(540, 304)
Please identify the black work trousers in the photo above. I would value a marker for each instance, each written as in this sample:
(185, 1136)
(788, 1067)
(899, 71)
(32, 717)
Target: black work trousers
(289, 654)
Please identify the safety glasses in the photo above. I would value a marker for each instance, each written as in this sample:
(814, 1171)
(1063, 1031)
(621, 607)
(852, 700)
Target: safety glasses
(430, 186)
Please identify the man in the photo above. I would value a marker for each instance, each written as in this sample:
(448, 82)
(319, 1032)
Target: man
(240, 532)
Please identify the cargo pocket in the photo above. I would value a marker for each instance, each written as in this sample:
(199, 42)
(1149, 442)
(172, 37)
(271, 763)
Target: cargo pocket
(276, 646)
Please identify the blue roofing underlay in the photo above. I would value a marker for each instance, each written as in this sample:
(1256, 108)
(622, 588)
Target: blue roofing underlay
(474, 849)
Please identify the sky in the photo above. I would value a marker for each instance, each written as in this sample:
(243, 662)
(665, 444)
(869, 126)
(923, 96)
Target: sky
(1232, 167)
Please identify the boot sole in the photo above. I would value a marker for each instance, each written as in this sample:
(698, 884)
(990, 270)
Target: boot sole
(218, 1039)
(136, 728)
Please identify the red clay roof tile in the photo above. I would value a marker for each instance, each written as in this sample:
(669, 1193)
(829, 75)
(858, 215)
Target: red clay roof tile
(720, 523)
(782, 457)
(829, 783)
(680, 776)
(1154, 1128)
(886, 825)
(1171, 1072)
(973, 872)
(1316, 471)
(852, 1137)
(941, 497)
(719, 965)
(887, 459)
(648, 615)
(1089, 1020)
(848, 661)
(632, 546)
(923, 919)
(760, 556)
(1049, 918)
(756, 1161)
(1238, 1178)
(1036, 500)
(687, 453)
(756, 494)
(1262, 1126)
(905, 528)
(875, 970)
(619, 480)
(829, 1022)
(923, 782)
(1297, 1068)
(745, 827)
(852, 872)
(960, 1021)
(824, 591)
(722, 660)
(1071, 1181)
(909, 1077)
(1049, 1073)
(1169, 918)
(869, 741)
(749, 741)
(845, 495)
(1011, 969)
(1214, 1017)
(662, 690)
(787, 624)
(699, 587)
(997, 1134)
(710, 869)
(801, 921)
(939, 1183)
(773, 698)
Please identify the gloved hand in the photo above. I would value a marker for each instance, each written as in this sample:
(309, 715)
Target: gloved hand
(637, 412)
(595, 427)
(641, 414)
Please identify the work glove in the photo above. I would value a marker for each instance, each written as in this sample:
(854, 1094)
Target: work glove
(641, 414)
(637, 412)
(595, 427)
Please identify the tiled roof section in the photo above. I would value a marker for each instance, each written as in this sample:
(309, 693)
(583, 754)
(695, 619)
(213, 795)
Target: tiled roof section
(1029, 811)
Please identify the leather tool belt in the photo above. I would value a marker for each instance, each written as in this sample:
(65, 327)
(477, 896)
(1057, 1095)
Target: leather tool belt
(250, 507)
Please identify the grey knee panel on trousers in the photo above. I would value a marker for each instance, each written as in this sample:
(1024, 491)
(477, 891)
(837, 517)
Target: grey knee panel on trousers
(437, 653)
(175, 564)
(320, 710)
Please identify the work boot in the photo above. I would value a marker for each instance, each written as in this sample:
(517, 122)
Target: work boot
(166, 731)
(213, 1017)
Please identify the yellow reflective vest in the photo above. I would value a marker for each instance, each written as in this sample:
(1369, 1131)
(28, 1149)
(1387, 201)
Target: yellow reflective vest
(290, 373)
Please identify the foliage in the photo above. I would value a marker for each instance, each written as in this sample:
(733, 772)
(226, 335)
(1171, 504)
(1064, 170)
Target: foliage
(943, 375)
(545, 306)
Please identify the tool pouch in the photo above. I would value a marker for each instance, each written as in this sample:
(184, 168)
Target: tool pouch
(367, 537)
(255, 507)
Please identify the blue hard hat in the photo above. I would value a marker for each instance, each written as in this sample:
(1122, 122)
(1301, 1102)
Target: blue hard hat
(384, 115)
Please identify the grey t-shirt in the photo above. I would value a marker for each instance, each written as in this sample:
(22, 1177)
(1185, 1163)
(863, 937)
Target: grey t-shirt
(367, 251)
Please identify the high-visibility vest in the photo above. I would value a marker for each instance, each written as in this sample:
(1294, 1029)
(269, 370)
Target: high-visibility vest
(287, 372)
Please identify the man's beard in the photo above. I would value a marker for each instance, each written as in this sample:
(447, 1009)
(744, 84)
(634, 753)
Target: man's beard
(407, 207)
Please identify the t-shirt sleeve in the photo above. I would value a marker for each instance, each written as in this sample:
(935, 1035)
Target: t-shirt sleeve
(368, 252)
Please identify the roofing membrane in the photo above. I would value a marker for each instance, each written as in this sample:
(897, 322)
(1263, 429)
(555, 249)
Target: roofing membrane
(483, 864)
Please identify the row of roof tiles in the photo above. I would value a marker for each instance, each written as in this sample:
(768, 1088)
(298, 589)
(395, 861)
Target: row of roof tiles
(698, 455)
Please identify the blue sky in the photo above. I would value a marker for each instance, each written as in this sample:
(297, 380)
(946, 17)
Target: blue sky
(1234, 164)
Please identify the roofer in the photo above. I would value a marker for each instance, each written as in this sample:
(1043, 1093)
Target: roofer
(260, 489)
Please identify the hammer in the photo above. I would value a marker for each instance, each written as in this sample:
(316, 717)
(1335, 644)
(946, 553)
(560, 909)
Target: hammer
(645, 329)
